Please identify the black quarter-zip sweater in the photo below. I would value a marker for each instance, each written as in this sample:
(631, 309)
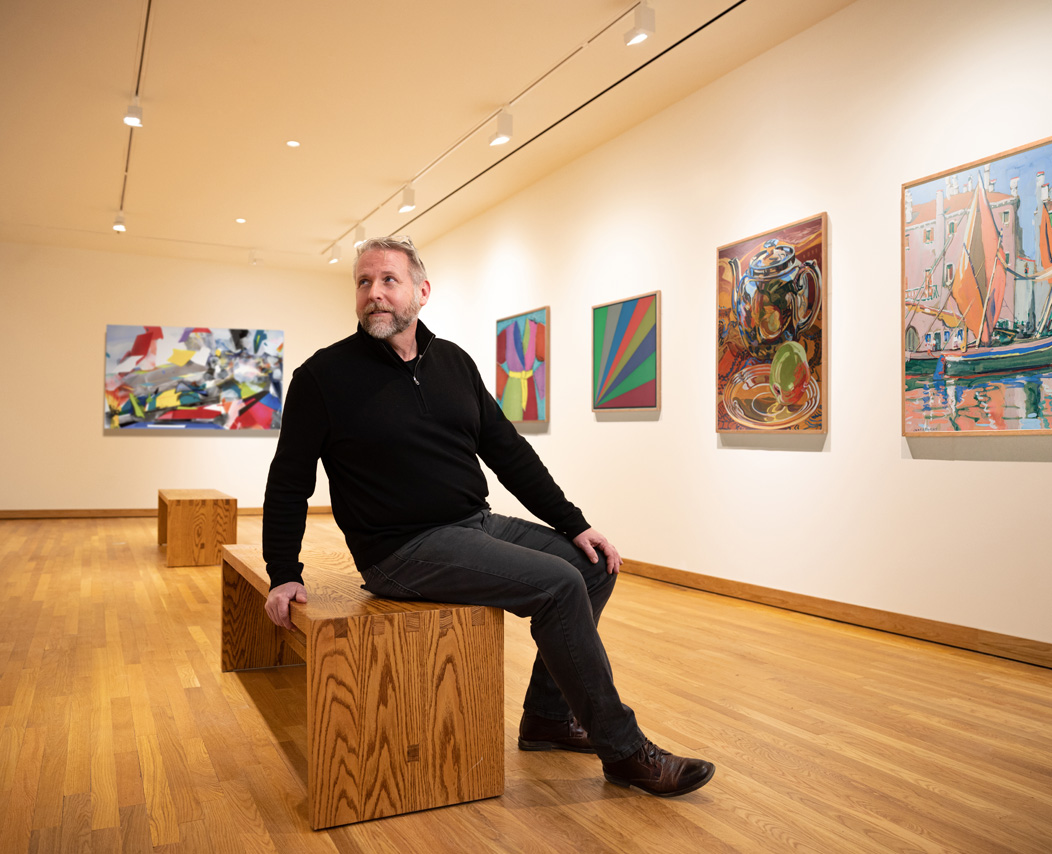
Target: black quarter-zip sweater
(401, 444)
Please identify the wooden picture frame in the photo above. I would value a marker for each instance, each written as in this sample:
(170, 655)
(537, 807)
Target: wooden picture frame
(523, 366)
(772, 294)
(626, 354)
(977, 297)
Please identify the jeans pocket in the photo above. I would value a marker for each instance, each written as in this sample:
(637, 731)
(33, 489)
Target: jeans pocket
(379, 583)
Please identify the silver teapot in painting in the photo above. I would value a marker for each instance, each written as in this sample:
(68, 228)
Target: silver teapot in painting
(778, 297)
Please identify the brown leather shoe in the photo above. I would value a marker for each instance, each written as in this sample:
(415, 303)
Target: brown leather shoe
(658, 772)
(537, 733)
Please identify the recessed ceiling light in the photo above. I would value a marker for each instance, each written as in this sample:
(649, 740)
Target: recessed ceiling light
(240, 219)
(292, 144)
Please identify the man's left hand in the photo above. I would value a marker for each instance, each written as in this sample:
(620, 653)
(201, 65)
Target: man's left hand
(590, 540)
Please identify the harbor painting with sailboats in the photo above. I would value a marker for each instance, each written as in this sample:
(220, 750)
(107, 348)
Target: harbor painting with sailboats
(977, 297)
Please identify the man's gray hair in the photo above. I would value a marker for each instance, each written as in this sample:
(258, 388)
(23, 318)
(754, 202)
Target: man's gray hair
(399, 243)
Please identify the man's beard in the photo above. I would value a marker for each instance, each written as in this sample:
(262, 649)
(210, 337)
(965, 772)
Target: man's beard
(383, 328)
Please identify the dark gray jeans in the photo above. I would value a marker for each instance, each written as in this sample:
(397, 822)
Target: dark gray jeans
(531, 571)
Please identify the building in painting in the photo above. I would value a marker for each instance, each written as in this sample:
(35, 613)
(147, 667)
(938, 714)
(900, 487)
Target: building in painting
(1038, 289)
(935, 238)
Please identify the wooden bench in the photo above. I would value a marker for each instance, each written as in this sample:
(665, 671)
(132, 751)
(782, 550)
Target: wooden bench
(405, 700)
(195, 523)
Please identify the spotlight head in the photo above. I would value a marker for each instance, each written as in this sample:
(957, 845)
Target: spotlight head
(503, 133)
(133, 115)
(643, 24)
(359, 236)
(118, 223)
(408, 200)
(336, 254)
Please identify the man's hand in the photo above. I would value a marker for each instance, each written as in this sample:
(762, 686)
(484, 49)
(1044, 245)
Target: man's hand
(590, 540)
(278, 600)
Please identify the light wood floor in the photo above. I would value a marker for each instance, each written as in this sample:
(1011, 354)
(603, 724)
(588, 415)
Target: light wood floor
(119, 733)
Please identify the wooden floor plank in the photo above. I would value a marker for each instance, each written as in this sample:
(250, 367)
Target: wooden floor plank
(105, 810)
(164, 826)
(49, 798)
(78, 741)
(21, 800)
(76, 824)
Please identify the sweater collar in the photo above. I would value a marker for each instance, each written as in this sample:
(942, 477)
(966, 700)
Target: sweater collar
(424, 337)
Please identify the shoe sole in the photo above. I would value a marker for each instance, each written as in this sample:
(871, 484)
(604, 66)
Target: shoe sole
(617, 781)
(552, 745)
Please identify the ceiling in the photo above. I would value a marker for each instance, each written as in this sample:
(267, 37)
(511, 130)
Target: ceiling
(378, 92)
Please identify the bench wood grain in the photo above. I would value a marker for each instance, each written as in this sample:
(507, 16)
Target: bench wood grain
(194, 523)
(405, 700)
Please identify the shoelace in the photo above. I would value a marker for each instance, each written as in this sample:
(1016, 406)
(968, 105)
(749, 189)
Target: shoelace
(652, 752)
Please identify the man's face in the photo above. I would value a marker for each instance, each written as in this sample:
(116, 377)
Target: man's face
(386, 300)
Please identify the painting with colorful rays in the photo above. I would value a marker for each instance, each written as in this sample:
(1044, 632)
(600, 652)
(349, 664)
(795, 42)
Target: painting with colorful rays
(193, 378)
(626, 354)
(523, 369)
(771, 292)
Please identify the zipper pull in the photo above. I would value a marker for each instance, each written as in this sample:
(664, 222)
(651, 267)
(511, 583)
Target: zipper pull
(416, 380)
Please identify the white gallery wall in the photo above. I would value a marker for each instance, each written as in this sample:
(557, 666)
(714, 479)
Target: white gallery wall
(835, 120)
(56, 305)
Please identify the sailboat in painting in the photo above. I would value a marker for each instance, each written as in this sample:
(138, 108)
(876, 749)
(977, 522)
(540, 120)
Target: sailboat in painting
(982, 328)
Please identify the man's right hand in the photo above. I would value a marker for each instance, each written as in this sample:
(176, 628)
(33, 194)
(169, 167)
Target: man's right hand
(278, 600)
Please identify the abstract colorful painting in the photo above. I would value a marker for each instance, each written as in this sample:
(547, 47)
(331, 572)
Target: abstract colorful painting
(977, 297)
(626, 354)
(183, 377)
(522, 366)
(771, 330)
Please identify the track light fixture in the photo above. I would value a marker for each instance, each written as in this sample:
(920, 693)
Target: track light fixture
(336, 254)
(118, 222)
(408, 200)
(643, 25)
(133, 116)
(503, 133)
(254, 257)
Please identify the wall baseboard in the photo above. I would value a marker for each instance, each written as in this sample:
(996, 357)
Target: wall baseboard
(94, 513)
(976, 640)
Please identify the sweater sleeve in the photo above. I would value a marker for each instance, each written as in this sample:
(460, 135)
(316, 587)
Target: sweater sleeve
(292, 478)
(520, 470)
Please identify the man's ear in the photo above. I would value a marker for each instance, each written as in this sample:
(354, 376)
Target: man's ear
(425, 292)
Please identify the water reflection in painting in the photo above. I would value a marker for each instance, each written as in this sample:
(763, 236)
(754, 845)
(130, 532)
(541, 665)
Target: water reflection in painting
(974, 404)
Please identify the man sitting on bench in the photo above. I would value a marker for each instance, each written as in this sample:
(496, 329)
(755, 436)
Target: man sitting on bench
(400, 419)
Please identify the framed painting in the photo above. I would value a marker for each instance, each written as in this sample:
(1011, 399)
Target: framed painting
(523, 370)
(977, 297)
(626, 354)
(772, 290)
(193, 378)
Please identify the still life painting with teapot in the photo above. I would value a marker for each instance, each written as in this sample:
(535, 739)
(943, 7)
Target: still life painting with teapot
(770, 352)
